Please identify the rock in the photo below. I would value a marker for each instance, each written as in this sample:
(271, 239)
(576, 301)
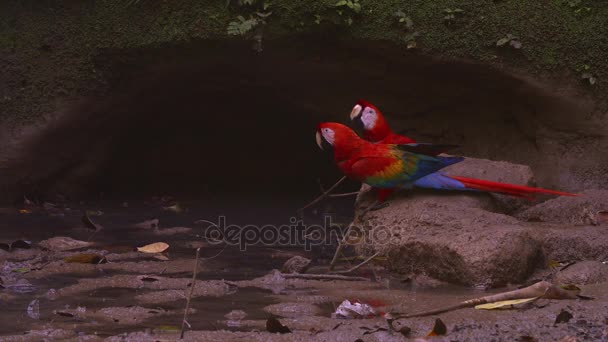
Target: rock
(296, 264)
(581, 210)
(567, 242)
(496, 171)
(236, 315)
(583, 273)
(292, 310)
(63, 243)
(450, 237)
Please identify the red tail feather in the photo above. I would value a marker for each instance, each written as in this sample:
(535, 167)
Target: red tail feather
(507, 189)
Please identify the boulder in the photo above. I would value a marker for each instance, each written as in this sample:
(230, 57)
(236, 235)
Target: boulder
(586, 209)
(451, 237)
(583, 273)
(467, 238)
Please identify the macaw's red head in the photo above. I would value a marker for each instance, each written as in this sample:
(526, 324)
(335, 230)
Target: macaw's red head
(332, 135)
(368, 118)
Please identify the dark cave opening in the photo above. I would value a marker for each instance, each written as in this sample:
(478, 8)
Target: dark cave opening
(216, 118)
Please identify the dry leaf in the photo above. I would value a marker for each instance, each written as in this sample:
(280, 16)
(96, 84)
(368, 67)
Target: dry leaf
(501, 304)
(274, 326)
(25, 211)
(63, 243)
(161, 257)
(563, 317)
(176, 208)
(86, 258)
(157, 247)
(439, 328)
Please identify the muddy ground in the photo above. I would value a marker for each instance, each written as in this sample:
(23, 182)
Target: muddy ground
(128, 295)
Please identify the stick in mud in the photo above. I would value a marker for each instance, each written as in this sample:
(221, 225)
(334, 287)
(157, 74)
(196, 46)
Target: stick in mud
(542, 289)
(322, 277)
(184, 321)
(342, 243)
(356, 267)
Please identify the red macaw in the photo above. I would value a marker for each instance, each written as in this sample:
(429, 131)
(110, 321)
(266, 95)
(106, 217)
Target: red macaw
(391, 166)
(376, 129)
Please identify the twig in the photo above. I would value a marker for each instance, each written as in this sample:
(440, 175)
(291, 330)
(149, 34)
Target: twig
(184, 322)
(541, 289)
(322, 277)
(356, 267)
(342, 243)
(323, 195)
(348, 193)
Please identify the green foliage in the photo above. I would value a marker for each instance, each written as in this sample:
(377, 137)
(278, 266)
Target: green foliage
(579, 7)
(241, 26)
(348, 8)
(586, 75)
(450, 15)
(353, 5)
(509, 40)
(410, 38)
(404, 19)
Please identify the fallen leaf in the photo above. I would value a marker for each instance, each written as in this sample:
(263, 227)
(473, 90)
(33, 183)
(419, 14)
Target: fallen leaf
(21, 270)
(157, 247)
(148, 279)
(439, 328)
(563, 317)
(63, 313)
(176, 208)
(63, 243)
(169, 328)
(94, 212)
(22, 244)
(25, 211)
(570, 287)
(501, 304)
(274, 326)
(86, 258)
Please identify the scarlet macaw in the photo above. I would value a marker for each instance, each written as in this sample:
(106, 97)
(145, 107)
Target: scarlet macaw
(391, 166)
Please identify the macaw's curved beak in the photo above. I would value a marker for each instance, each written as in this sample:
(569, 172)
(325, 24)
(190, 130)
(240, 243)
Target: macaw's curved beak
(356, 112)
(319, 140)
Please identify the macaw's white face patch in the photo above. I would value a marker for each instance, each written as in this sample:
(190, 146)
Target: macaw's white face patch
(369, 118)
(328, 135)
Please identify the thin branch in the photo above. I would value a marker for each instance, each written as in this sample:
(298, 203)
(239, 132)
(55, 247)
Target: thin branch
(356, 267)
(346, 194)
(184, 321)
(541, 289)
(322, 277)
(342, 243)
(323, 195)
